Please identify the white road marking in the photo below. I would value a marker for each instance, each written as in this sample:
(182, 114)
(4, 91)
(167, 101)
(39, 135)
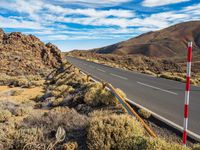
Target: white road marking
(167, 121)
(178, 127)
(157, 88)
(101, 70)
(119, 76)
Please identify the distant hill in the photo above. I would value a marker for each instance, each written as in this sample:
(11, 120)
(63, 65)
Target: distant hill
(169, 42)
(26, 54)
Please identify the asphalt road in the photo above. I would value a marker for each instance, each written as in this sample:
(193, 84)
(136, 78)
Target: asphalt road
(161, 96)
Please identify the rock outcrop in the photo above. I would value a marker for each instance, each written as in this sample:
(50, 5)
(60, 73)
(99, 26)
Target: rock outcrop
(25, 54)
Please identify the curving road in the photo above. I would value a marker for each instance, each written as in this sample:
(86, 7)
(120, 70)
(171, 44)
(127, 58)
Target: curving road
(165, 98)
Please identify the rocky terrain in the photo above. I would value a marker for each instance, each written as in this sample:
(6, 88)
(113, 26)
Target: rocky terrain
(63, 109)
(25, 54)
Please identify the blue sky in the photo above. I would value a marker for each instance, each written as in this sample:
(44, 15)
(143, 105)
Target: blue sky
(86, 24)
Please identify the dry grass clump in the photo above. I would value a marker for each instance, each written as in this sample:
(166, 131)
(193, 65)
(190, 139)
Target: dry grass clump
(5, 115)
(21, 111)
(97, 95)
(59, 116)
(105, 132)
(145, 114)
(172, 77)
(29, 138)
(148, 72)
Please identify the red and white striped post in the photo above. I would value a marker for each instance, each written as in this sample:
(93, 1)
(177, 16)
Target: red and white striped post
(187, 92)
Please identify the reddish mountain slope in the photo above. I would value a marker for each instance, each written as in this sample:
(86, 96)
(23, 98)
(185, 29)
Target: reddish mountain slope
(169, 42)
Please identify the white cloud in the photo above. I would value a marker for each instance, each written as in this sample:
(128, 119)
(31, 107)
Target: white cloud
(13, 23)
(154, 3)
(95, 3)
(49, 20)
(89, 12)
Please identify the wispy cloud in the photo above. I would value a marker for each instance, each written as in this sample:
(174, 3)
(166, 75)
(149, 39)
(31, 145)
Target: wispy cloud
(153, 3)
(95, 3)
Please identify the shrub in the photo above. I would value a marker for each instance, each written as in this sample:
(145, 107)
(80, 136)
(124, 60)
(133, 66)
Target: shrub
(63, 89)
(20, 82)
(96, 95)
(19, 111)
(56, 102)
(29, 138)
(70, 146)
(105, 132)
(59, 116)
(5, 115)
(17, 92)
(145, 114)
(196, 147)
(159, 144)
(172, 77)
(37, 83)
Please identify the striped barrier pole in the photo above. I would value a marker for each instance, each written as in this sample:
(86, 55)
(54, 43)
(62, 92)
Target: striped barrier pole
(187, 92)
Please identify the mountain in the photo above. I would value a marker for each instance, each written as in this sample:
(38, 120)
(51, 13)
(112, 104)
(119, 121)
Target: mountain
(168, 42)
(26, 54)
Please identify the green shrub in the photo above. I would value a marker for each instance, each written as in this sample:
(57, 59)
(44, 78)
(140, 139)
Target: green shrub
(145, 114)
(5, 115)
(105, 132)
(96, 95)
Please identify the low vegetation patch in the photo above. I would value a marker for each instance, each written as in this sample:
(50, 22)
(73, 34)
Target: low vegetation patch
(97, 95)
(5, 115)
(144, 113)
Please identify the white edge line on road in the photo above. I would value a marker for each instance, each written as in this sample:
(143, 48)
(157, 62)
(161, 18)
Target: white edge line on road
(178, 127)
(101, 70)
(119, 76)
(157, 88)
(170, 123)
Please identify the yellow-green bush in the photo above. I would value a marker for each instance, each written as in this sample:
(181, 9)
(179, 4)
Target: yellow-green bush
(144, 113)
(159, 144)
(4, 115)
(56, 102)
(196, 147)
(63, 89)
(70, 146)
(105, 132)
(96, 95)
(172, 77)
